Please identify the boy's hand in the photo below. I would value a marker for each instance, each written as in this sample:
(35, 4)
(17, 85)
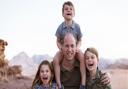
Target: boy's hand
(79, 53)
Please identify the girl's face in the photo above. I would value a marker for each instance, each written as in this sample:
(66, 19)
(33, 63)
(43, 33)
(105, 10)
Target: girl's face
(45, 74)
(91, 61)
(68, 12)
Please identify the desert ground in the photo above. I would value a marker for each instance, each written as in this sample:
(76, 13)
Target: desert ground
(119, 80)
(16, 83)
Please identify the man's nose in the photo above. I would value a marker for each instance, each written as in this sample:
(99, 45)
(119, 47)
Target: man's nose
(69, 49)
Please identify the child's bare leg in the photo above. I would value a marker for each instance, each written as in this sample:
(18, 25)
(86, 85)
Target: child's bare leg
(80, 57)
(56, 63)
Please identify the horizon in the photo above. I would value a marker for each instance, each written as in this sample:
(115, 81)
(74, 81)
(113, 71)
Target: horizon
(30, 26)
(30, 56)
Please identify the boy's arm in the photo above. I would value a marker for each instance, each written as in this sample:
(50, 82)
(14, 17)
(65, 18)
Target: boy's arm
(56, 65)
(78, 44)
(80, 57)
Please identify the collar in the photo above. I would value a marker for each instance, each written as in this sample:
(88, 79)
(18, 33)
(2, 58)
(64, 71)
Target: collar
(98, 72)
(76, 65)
(65, 26)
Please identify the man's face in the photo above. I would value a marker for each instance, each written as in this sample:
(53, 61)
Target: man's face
(69, 48)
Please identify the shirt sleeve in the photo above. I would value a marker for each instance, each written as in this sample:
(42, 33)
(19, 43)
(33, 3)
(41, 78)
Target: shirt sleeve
(54, 85)
(79, 33)
(57, 34)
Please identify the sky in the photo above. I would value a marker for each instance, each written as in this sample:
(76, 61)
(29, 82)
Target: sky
(30, 26)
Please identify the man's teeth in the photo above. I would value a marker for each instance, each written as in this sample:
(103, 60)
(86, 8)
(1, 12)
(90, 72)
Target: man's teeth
(90, 64)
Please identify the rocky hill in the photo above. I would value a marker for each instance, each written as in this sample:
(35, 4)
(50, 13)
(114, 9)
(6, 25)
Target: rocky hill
(120, 64)
(104, 63)
(29, 64)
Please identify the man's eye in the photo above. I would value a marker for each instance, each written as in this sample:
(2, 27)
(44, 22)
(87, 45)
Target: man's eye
(72, 46)
(66, 45)
(86, 58)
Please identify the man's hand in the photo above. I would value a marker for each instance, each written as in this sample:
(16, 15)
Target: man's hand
(105, 79)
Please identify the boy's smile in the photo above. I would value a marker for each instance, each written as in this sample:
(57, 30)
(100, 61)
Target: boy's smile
(68, 13)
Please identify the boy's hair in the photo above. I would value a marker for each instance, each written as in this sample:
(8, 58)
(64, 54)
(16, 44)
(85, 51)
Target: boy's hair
(37, 77)
(69, 3)
(92, 50)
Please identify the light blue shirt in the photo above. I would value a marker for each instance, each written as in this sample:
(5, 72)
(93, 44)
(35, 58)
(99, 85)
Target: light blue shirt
(63, 29)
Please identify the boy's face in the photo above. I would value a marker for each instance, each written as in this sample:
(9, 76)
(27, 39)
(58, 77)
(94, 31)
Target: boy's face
(91, 61)
(45, 74)
(68, 12)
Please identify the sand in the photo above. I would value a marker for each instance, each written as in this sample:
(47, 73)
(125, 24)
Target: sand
(119, 80)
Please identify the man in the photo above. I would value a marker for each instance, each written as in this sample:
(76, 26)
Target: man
(70, 67)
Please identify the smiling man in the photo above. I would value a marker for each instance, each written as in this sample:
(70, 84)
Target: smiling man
(70, 67)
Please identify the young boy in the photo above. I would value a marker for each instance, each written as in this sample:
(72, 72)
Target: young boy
(94, 79)
(69, 26)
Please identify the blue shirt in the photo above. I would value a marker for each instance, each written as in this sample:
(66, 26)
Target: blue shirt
(38, 86)
(63, 29)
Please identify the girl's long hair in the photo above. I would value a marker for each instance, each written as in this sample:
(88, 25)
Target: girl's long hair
(37, 78)
(94, 51)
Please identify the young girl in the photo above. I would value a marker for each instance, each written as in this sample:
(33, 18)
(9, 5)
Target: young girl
(44, 76)
(93, 73)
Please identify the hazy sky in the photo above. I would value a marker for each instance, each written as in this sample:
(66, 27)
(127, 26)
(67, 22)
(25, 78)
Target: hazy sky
(30, 26)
